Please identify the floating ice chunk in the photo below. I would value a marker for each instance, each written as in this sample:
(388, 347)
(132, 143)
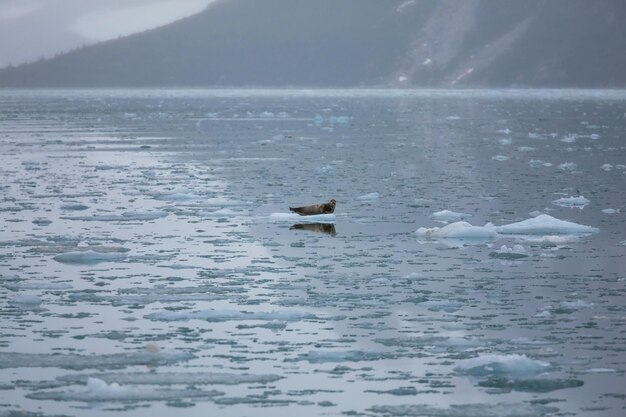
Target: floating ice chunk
(538, 162)
(526, 149)
(124, 217)
(321, 356)
(43, 285)
(500, 158)
(539, 385)
(25, 299)
(567, 166)
(446, 216)
(74, 207)
(173, 378)
(453, 118)
(225, 212)
(607, 167)
(575, 305)
(236, 315)
(97, 390)
(293, 217)
(178, 196)
(544, 224)
(578, 202)
(505, 141)
(78, 362)
(569, 138)
(89, 257)
(509, 365)
(459, 230)
(610, 211)
(369, 197)
(464, 410)
(516, 252)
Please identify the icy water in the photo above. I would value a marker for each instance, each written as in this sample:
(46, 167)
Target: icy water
(149, 265)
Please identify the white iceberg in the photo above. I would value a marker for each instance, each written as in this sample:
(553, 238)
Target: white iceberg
(459, 231)
(446, 216)
(544, 224)
(579, 202)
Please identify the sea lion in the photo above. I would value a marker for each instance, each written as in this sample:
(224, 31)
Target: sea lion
(325, 208)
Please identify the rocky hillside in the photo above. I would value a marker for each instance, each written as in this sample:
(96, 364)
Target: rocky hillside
(350, 43)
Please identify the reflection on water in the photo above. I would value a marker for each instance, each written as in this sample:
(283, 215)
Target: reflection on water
(328, 228)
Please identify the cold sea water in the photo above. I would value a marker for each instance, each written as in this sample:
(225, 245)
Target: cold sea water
(474, 266)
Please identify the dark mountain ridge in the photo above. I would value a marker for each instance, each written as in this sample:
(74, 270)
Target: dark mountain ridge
(352, 43)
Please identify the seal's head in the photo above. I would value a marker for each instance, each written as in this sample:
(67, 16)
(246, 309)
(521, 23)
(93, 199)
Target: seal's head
(330, 206)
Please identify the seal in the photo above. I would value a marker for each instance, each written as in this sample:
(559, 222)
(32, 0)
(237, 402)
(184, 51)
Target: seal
(325, 208)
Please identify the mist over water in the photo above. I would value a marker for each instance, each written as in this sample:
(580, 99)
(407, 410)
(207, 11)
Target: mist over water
(148, 260)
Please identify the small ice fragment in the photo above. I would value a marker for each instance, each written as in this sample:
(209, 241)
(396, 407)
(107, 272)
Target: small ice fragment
(500, 158)
(578, 202)
(544, 224)
(89, 257)
(607, 167)
(369, 197)
(446, 216)
(567, 166)
(610, 211)
(509, 365)
(505, 141)
(459, 230)
(526, 149)
(25, 299)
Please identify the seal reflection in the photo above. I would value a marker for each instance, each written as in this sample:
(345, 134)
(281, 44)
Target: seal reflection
(327, 228)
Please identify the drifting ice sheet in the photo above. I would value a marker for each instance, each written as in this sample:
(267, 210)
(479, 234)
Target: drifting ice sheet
(545, 224)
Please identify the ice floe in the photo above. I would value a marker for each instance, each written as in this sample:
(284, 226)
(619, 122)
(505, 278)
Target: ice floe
(509, 365)
(124, 217)
(236, 315)
(369, 197)
(544, 224)
(78, 362)
(97, 390)
(507, 253)
(578, 202)
(446, 216)
(462, 231)
(173, 378)
(89, 257)
(464, 410)
(610, 211)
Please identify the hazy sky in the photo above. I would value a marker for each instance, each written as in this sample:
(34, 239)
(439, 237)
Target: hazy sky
(30, 29)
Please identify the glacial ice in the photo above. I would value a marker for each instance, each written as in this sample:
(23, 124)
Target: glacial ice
(97, 390)
(459, 231)
(78, 362)
(236, 315)
(508, 365)
(172, 378)
(578, 202)
(89, 257)
(128, 216)
(446, 216)
(369, 197)
(464, 410)
(544, 224)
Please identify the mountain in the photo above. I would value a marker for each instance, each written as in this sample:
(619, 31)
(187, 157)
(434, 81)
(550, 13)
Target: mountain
(351, 43)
